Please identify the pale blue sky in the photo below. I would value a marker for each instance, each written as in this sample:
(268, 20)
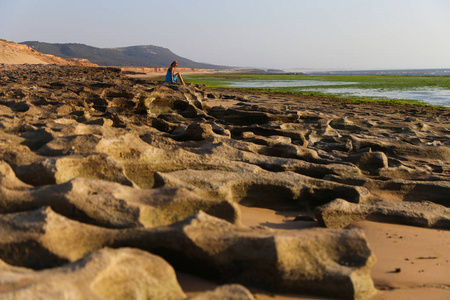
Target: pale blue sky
(323, 34)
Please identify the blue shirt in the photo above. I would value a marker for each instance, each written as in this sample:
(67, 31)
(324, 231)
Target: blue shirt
(169, 73)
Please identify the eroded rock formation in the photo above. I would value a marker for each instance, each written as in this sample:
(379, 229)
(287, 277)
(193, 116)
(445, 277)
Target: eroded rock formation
(92, 160)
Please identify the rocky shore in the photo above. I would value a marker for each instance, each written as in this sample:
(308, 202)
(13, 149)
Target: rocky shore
(111, 187)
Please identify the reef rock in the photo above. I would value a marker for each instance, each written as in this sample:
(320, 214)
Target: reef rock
(100, 172)
(303, 261)
(340, 213)
(124, 273)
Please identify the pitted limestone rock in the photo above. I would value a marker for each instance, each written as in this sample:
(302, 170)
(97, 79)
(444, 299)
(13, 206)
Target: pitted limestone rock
(340, 213)
(303, 261)
(124, 273)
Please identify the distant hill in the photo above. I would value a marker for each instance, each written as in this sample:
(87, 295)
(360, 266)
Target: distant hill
(137, 56)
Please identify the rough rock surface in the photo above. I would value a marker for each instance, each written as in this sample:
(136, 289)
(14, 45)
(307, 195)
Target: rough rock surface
(92, 160)
(299, 262)
(104, 274)
(340, 213)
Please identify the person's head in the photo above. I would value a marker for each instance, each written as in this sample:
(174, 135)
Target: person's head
(174, 63)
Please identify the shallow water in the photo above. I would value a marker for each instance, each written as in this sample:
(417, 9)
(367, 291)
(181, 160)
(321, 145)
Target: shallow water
(284, 83)
(435, 96)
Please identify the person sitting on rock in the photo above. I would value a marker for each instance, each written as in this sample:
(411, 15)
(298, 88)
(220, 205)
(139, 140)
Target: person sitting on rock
(171, 76)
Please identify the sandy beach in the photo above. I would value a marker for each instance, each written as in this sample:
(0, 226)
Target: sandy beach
(421, 255)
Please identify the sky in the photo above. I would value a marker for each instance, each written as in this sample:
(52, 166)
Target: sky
(277, 34)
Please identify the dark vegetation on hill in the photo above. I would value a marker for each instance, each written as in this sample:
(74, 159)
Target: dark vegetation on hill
(137, 56)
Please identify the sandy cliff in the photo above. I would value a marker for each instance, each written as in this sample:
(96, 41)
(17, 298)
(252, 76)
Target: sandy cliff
(13, 53)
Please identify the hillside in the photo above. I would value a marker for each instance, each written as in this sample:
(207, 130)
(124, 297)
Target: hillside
(13, 53)
(138, 56)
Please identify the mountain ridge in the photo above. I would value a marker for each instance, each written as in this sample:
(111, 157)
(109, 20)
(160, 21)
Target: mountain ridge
(132, 56)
